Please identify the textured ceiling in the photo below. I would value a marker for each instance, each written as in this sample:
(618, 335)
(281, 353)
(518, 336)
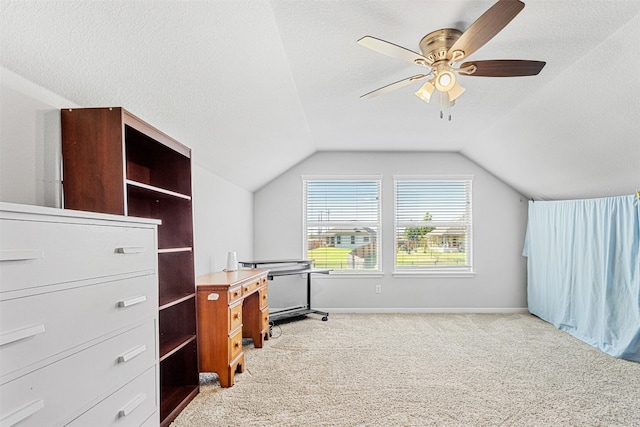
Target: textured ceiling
(256, 86)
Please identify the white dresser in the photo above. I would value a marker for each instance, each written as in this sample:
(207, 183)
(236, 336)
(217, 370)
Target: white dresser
(78, 318)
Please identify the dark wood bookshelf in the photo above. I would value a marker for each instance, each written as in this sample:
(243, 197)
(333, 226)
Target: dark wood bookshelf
(113, 162)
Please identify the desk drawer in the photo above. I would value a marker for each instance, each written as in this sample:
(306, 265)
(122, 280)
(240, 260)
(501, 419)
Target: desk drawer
(129, 406)
(235, 294)
(59, 392)
(264, 319)
(40, 326)
(249, 287)
(34, 253)
(235, 345)
(235, 316)
(262, 295)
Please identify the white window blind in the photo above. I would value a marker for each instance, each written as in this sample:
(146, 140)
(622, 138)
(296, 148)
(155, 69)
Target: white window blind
(342, 223)
(433, 224)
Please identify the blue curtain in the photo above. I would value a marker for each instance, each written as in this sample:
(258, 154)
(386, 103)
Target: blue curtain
(583, 261)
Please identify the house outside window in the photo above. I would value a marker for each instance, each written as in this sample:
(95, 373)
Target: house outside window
(433, 224)
(341, 223)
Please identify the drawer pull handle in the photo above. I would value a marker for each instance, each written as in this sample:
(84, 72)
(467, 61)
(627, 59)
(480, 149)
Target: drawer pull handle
(132, 301)
(131, 406)
(20, 334)
(236, 316)
(20, 255)
(132, 353)
(22, 414)
(130, 250)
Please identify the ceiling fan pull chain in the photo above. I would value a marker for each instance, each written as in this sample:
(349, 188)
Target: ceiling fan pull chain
(445, 105)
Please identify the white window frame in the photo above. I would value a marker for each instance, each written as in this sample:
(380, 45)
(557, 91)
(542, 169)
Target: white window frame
(346, 224)
(446, 271)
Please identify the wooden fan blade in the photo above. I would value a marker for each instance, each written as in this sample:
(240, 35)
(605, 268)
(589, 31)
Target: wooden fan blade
(393, 50)
(486, 27)
(505, 68)
(393, 86)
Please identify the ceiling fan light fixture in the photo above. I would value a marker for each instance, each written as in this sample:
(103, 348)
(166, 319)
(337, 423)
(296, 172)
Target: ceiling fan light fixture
(426, 91)
(455, 92)
(445, 81)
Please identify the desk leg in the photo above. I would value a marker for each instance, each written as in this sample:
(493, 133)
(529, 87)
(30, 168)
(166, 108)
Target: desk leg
(227, 378)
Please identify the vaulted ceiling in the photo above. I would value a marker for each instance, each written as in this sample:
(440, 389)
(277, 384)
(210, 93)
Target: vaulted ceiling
(254, 87)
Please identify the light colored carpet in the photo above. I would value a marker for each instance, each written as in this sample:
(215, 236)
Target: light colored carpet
(422, 370)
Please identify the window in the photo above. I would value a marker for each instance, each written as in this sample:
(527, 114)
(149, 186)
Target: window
(342, 223)
(433, 224)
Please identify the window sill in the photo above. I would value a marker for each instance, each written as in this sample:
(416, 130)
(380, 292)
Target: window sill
(336, 275)
(422, 273)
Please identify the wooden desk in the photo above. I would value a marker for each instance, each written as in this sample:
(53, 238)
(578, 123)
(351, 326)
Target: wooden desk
(230, 306)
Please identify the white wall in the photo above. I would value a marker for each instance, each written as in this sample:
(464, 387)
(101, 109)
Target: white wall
(223, 221)
(499, 222)
(30, 173)
(30, 150)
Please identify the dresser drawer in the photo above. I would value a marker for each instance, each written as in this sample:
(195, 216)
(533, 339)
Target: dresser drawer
(43, 325)
(36, 253)
(132, 405)
(58, 393)
(235, 345)
(235, 317)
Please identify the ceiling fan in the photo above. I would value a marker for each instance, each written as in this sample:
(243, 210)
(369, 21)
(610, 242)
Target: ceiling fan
(441, 50)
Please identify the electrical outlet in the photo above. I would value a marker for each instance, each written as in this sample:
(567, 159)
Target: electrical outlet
(378, 289)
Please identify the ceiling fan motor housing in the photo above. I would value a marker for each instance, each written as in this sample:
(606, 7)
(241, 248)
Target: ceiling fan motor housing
(435, 45)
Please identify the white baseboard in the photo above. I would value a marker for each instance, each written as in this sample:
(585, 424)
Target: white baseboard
(452, 310)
